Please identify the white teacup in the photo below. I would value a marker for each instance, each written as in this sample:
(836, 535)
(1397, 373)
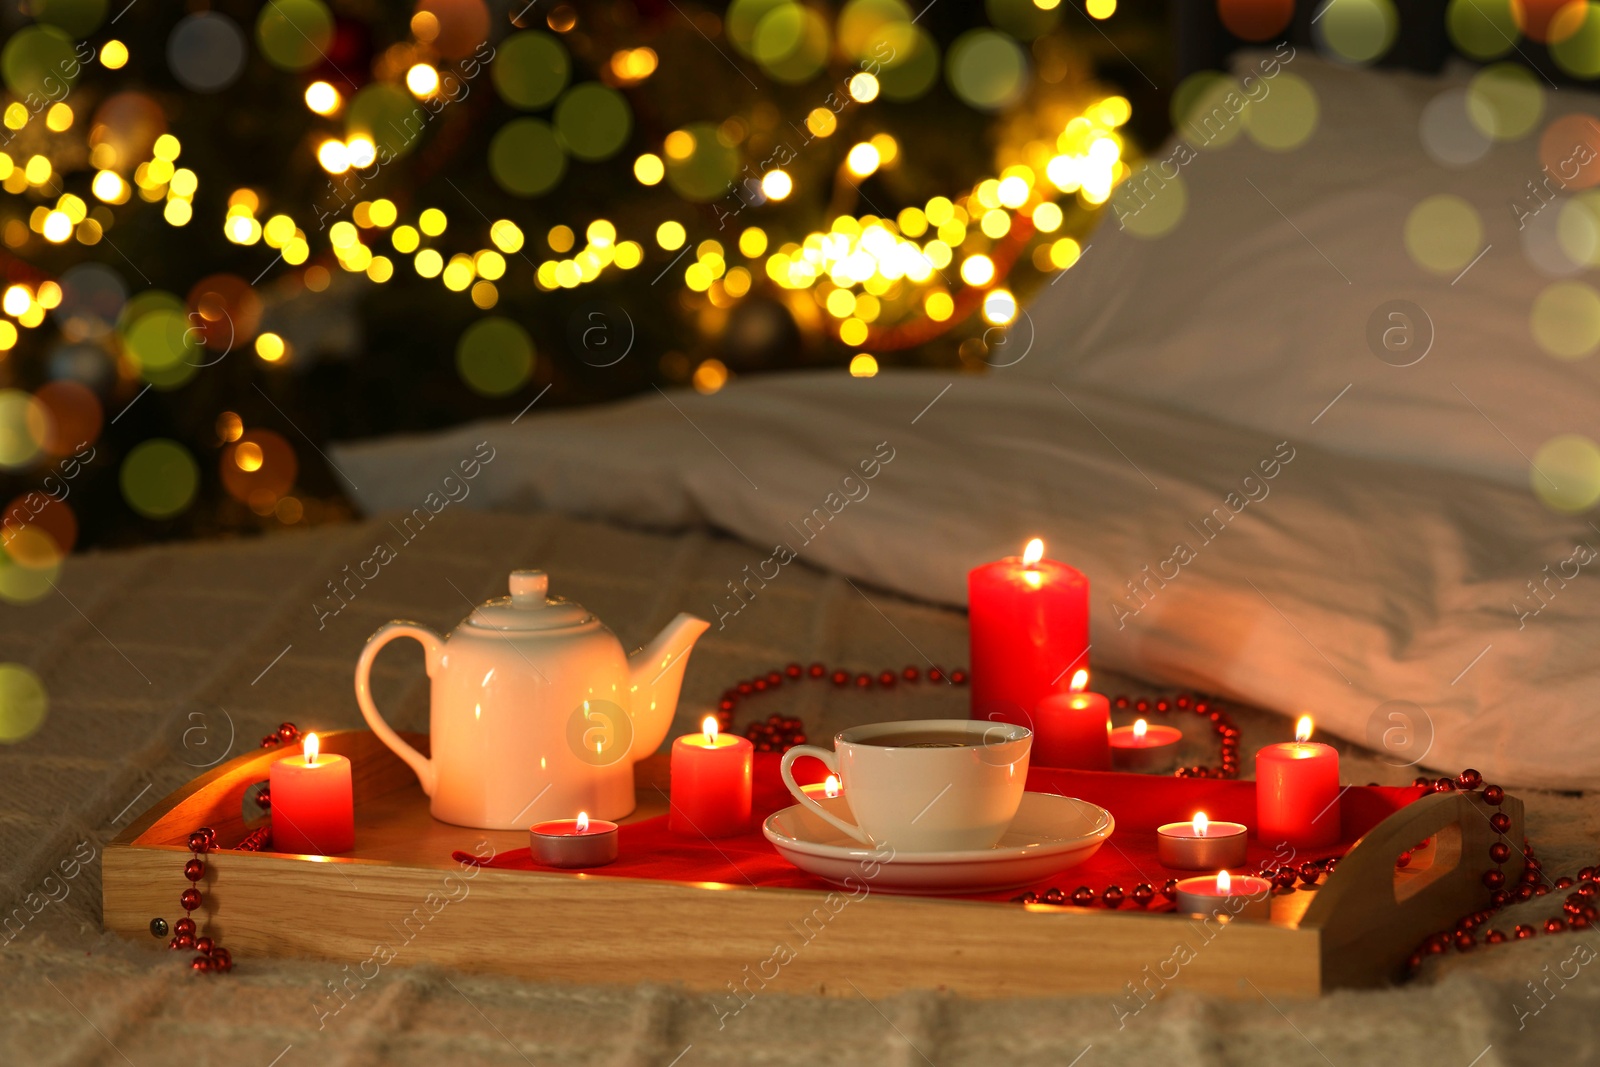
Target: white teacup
(925, 785)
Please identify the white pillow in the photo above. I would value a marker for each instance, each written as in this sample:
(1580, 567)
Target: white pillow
(1255, 308)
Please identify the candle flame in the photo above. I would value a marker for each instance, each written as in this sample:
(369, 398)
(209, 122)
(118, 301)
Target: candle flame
(831, 786)
(1200, 823)
(1080, 681)
(1139, 728)
(1033, 553)
(1302, 729)
(311, 748)
(710, 728)
(1224, 883)
(583, 822)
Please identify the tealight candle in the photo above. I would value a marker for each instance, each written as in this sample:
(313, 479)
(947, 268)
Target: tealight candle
(1029, 624)
(828, 788)
(1073, 729)
(1201, 845)
(711, 783)
(1297, 792)
(580, 842)
(1144, 748)
(1241, 896)
(313, 812)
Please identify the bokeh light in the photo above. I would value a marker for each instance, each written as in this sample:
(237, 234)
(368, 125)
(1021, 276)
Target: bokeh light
(259, 468)
(530, 69)
(38, 531)
(294, 34)
(206, 51)
(1201, 109)
(24, 428)
(459, 27)
(709, 377)
(1149, 204)
(75, 416)
(1027, 20)
(1483, 29)
(1505, 101)
(495, 356)
(1357, 31)
(986, 69)
(1575, 38)
(21, 584)
(1255, 20)
(1565, 146)
(699, 165)
(384, 115)
(159, 478)
(1578, 229)
(37, 61)
(525, 158)
(1286, 117)
(1566, 320)
(791, 42)
(227, 311)
(1551, 237)
(323, 98)
(77, 18)
(594, 121)
(23, 703)
(1448, 133)
(126, 125)
(161, 346)
(1443, 233)
(1565, 473)
(914, 66)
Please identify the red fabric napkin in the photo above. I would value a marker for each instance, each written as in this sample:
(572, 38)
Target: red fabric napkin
(1138, 802)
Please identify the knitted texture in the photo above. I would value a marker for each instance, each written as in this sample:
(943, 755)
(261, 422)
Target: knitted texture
(162, 661)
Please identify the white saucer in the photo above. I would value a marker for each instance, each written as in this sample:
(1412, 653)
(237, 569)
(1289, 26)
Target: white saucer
(1050, 833)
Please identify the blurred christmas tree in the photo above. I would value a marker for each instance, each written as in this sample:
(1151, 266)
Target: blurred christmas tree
(233, 235)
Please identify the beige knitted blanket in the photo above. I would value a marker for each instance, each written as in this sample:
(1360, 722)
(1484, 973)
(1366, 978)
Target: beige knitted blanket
(154, 658)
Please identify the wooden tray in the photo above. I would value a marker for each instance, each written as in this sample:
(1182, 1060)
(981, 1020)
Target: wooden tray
(400, 898)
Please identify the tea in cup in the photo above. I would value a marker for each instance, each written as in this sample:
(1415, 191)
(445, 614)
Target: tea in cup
(926, 785)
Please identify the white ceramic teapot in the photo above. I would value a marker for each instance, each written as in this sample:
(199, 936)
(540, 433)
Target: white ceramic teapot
(536, 711)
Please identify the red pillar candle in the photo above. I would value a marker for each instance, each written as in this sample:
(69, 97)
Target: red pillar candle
(1073, 729)
(312, 809)
(1297, 792)
(711, 775)
(1029, 619)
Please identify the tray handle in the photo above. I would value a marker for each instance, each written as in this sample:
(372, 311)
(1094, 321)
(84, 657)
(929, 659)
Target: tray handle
(1372, 916)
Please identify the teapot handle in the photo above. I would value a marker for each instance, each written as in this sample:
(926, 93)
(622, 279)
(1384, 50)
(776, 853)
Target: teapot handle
(433, 648)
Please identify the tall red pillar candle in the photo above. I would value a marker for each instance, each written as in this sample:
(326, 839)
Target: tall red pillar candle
(1029, 619)
(1073, 729)
(1297, 792)
(711, 784)
(312, 810)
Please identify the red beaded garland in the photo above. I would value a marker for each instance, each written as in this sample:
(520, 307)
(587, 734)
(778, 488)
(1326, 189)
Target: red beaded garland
(212, 957)
(790, 731)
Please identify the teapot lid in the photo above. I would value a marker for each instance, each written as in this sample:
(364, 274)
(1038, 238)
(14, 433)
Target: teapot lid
(529, 607)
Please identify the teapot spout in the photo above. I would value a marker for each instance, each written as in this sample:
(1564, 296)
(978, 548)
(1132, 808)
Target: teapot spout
(657, 677)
